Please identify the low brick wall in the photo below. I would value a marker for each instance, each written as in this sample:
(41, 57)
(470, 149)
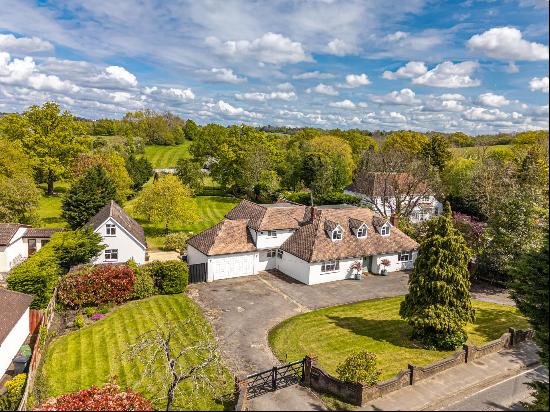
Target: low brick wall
(241, 388)
(359, 394)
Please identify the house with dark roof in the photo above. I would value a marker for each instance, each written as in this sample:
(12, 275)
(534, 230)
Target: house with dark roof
(123, 237)
(18, 242)
(387, 192)
(310, 244)
(14, 325)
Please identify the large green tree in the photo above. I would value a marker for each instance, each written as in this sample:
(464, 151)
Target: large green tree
(191, 173)
(405, 141)
(19, 195)
(87, 195)
(530, 289)
(52, 139)
(438, 304)
(436, 150)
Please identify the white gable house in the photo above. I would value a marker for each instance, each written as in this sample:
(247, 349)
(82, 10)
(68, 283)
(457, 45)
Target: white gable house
(122, 236)
(311, 245)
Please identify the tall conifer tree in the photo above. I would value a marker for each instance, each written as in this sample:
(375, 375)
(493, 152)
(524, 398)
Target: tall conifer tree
(438, 304)
(87, 196)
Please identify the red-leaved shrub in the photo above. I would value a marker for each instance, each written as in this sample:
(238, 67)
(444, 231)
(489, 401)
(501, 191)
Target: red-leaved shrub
(108, 398)
(98, 285)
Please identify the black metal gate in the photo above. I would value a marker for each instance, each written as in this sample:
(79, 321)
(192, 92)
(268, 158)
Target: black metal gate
(197, 273)
(275, 378)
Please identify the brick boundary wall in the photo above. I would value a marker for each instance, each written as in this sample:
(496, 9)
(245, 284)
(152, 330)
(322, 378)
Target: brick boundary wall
(359, 394)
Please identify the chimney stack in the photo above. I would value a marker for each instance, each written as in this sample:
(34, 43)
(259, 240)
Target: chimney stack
(394, 220)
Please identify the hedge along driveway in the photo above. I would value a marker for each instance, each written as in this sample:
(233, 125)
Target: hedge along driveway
(375, 325)
(92, 355)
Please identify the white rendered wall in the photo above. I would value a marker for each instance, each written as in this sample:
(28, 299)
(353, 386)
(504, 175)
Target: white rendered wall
(345, 272)
(194, 257)
(263, 241)
(14, 253)
(264, 262)
(294, 267)
(10, 346)
(395, 265)
(128, 247)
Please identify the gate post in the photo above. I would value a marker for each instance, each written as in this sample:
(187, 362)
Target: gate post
(309, 362)
(274, 378)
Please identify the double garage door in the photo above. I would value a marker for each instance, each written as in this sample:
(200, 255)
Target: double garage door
(231, 267)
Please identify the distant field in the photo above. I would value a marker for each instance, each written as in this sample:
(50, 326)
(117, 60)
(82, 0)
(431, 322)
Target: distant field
(477, 149)
(166, 156)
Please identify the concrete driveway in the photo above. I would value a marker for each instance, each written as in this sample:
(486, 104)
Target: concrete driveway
(243, 310)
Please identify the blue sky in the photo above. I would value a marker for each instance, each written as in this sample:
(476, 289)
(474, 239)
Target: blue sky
(474, 66)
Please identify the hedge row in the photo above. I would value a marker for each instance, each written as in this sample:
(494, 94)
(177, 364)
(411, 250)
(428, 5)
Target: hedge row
(97, 285)
(169, 277)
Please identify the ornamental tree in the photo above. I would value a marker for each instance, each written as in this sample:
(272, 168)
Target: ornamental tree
(87, 196)
(438, 304)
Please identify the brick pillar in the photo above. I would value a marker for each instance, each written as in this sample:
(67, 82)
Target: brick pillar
(470, 352)
(513, 336)
(241, 388)
(414, 375)
(309, 362)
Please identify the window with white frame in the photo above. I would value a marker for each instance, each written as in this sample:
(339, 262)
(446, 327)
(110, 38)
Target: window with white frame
(111, 229)
(426, 198)
(337, 234)
(272, 233)
(404, 256)
(279, 253)
(385, 230)
(362, 231)
(111, 254)
(330, 266)
(271, 253)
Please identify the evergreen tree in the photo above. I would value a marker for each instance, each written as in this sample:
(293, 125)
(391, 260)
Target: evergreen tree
(438, 304)
(140, 171)
(87, 196)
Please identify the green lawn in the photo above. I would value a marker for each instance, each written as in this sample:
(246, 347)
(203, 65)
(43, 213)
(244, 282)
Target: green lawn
(211, 210)
(166, 156)
(92, 355)
(334, 333)
(49, 207)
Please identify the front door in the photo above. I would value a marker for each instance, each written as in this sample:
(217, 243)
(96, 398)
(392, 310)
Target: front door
(367, 263)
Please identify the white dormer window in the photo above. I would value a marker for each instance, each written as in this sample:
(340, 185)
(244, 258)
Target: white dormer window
(426, 198)
(111, 229)
(272, 233)
(337, 234)
(385, 230)
(362, 232)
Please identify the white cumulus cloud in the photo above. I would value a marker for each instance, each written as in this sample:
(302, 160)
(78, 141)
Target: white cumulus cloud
(356, 80)
(539, 83)
(404, 97)
(313, 75)
(229, 110)
(270, 48)
(323, 89)
(340, 48)
(9, 42)
(507, 43)
(410, 70)
(262, 97)
(119, 75)
(450, 75)
(493, 100)
(222, 75)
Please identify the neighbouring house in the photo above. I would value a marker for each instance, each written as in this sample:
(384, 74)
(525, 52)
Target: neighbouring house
(385, 193)
(310, 244)
(14, 325)
(123, 237)
(18, 242)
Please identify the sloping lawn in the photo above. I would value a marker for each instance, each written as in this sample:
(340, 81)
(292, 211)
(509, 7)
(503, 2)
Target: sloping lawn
(375, 325)
(166, 156)
(92, 355)
(211, 210)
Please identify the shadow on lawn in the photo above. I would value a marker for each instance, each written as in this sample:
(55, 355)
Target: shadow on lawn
(394, 331)
(491, 323)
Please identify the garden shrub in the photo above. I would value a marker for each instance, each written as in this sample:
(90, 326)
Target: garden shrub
(15, 388)
(36, 276)
(144, 286)
(79, 322)
(359, 367)
(335, 198)
(104, 284)
(76, 247)
(89, 311)
(176, 241)
(170, 277)
(110, 397)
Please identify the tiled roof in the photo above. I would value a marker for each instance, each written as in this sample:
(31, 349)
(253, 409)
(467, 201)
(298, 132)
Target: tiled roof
(228, 236)
(14, 305)
(8, 231)
(112, 209)
(41, 232)
(281, 215)
(355, 223)
(379, 221)
(312, 244)
(375, 184)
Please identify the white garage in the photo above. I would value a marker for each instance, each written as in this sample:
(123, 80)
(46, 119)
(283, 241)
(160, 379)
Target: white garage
(221, 267)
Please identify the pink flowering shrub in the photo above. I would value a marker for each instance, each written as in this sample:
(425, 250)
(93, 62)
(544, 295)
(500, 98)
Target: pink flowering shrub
(107, 398)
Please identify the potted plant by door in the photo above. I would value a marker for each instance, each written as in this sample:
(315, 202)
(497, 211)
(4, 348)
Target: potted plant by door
(357, 267)
(385, 263)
